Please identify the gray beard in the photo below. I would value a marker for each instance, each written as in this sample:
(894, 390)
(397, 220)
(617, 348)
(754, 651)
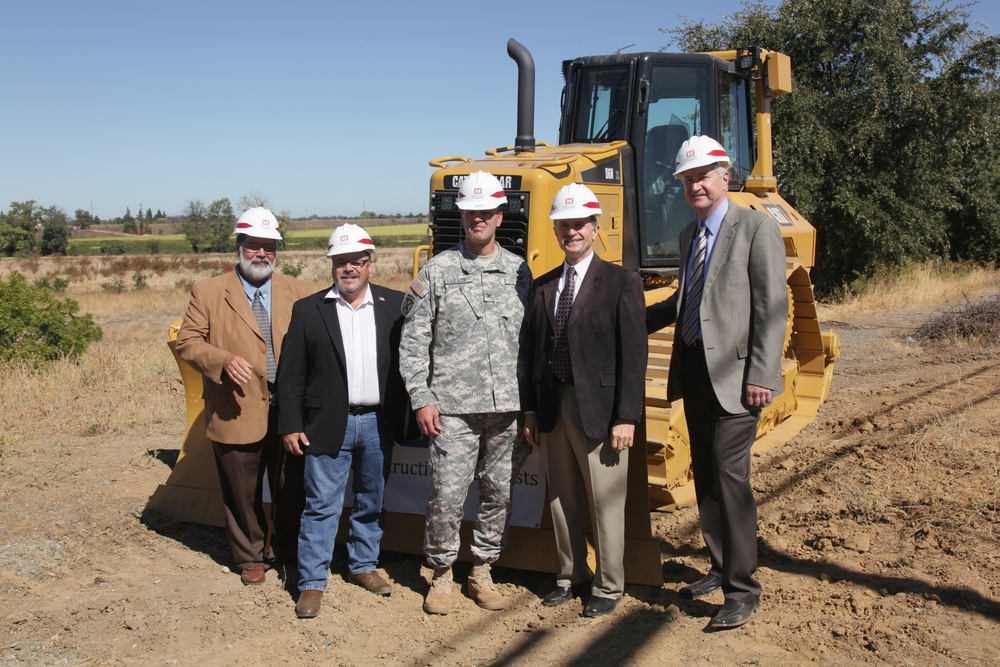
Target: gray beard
(257, 269)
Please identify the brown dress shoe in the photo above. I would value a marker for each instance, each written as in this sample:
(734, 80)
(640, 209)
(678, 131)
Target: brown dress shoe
(309, 603)
(253, 575)
(373, 582)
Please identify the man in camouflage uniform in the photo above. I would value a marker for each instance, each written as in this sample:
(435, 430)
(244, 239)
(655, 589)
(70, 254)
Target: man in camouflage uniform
(458, 357)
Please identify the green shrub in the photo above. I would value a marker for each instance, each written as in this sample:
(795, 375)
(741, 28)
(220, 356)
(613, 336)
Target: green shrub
(116, 286)
(293, 270)
(59, 285)
(36, 326)
(140, 280)
(112, 248)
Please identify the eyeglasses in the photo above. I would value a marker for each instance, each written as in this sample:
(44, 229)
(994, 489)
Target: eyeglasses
(359, 263)
(253, 247)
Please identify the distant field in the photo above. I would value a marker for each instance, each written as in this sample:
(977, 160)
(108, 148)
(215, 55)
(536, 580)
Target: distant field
(306, 239)
(416, 229)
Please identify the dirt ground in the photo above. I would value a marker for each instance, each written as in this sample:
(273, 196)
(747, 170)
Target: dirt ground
(879, 529)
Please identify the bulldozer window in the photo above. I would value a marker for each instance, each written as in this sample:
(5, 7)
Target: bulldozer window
(736, 137)
(602, 111)
(677, 110)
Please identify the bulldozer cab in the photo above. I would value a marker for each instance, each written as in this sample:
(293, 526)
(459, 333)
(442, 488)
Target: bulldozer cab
(656, 101)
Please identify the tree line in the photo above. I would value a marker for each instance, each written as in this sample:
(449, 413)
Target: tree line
(890, 141)
(28, 228)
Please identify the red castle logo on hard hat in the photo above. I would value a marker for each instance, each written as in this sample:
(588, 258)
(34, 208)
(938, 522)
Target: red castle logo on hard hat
(689, 154)
(569, 201)
(343, 237)
(477, 191)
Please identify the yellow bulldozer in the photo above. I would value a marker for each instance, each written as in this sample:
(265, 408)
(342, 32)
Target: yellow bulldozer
(623, 119)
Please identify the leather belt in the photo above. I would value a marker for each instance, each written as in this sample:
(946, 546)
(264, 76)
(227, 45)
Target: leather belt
(361, 409)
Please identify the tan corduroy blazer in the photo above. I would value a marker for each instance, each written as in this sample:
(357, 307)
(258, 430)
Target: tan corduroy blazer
(218, 322)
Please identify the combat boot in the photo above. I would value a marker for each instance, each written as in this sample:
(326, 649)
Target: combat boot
(482, 590)
(438, 600)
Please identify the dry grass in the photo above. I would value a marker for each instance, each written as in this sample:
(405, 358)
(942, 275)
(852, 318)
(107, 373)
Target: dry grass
(919, 287)
(129, 379)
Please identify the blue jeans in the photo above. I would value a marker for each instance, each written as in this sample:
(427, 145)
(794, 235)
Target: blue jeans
(367, 450)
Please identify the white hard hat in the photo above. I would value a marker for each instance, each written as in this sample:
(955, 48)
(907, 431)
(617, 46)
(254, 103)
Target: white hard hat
(347, 239)
(480, 191)
(259, 222)
(574, 201)
(700, 151)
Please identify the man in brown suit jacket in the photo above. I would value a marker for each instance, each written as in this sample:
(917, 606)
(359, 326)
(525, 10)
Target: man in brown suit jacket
(232, 334)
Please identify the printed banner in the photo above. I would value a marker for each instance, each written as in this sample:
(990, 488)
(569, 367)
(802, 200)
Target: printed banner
(409, 487)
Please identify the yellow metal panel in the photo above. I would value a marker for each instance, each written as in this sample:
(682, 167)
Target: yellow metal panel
(779, 74)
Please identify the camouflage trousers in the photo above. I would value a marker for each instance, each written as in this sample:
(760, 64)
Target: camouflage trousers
(488, 447)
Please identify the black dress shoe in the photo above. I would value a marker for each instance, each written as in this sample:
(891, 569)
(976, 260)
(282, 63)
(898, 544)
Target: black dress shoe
(599, 606)
(733, 614)
(558, 596)
(563, 594)
(704, 586)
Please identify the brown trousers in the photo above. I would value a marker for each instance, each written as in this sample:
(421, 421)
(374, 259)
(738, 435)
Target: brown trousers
(242, 478)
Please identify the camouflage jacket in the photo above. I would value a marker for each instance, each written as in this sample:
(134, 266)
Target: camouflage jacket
(462, 331)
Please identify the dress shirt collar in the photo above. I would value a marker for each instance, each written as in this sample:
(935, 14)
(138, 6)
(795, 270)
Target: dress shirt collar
(334, 293)
(714, 219)
(265, 289)
(580, 267)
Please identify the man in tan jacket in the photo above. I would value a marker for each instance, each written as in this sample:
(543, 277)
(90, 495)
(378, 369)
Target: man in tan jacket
(232, 334)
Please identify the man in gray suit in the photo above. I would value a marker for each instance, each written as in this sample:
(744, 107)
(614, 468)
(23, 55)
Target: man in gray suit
(731, 311)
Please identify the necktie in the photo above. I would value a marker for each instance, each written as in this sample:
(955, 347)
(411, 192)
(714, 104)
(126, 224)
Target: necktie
(690, 323)
(264, 323)
(561, 366)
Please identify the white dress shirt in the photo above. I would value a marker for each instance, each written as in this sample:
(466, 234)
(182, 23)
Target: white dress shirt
(357, 328)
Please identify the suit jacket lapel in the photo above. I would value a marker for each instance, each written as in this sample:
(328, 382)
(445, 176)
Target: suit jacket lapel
(685, 249)
(548, 294)
(587, 289)
(721, 248)
(237, 300)
(328, 311)
(383, 323)
(282, 301)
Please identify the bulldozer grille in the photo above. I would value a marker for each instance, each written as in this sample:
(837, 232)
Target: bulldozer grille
(446, 222)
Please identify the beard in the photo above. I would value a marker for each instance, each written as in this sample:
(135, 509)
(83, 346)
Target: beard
(257, 269)
(358, 286)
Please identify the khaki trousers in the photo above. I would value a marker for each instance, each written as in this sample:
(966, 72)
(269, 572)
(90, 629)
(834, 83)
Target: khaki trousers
(585, 477)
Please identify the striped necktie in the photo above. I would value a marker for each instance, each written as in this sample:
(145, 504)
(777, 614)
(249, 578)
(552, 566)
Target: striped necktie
(561, 365)
(264, 323)
(690, 321)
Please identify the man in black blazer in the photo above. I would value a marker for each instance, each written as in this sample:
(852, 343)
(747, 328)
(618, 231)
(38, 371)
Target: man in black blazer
(731, 310)
(341, 402)
(582, 393)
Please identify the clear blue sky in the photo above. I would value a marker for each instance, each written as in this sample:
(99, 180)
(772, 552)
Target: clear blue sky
(325, 108)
